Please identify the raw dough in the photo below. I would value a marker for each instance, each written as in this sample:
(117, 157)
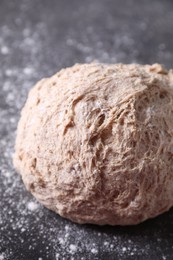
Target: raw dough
(95, 143)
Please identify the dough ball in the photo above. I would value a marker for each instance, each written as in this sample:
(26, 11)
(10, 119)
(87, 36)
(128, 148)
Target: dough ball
(95, 143)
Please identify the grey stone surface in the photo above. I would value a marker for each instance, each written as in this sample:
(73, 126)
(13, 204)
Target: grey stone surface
(37, 38)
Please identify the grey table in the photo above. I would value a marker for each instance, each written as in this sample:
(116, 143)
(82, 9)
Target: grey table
(37, 38)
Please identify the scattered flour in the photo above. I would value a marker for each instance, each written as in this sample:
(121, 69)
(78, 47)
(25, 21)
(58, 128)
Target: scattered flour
(94, 251)
(73, 249)
(28, 71)
(2, 256)
(4, 50)
(32, 206)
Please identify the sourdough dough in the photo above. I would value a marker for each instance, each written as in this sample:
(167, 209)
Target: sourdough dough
(95, 143)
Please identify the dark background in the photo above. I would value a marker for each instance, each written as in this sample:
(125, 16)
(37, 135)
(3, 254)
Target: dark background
(37, 38)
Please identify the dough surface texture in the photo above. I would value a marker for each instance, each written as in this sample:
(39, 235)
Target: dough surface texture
(95, 143)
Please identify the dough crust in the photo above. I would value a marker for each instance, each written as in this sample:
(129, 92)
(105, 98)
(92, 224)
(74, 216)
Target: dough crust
(95, 143)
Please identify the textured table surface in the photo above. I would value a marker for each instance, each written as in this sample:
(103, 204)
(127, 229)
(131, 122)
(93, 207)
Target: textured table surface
(37, 38)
